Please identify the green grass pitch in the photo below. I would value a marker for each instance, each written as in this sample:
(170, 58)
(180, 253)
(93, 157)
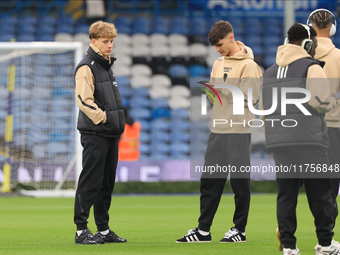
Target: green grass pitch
(151, 224)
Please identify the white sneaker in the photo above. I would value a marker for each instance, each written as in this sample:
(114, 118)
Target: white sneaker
(287, 251)
(336, 244)
(327, 250)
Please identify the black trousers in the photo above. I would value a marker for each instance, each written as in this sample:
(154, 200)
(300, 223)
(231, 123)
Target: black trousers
(96, 181)
(334, 159)
(318, 191)
(225, 150)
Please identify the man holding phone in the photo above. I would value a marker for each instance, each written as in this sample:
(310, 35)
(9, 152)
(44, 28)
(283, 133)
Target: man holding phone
(228, 144)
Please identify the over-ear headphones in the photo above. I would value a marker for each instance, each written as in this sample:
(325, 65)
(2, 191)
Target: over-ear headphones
(333, 27)
(307, 44)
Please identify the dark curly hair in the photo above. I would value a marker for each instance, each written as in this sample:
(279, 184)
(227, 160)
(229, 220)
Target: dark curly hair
(298, 33)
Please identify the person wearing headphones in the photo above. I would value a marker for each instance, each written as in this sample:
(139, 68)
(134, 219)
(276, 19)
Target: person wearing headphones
(304, 144)
(322, 22)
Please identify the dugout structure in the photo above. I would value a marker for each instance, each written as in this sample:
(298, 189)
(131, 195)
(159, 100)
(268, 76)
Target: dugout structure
(39, 143)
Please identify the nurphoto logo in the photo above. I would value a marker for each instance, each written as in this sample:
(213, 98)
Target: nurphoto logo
(239, 102)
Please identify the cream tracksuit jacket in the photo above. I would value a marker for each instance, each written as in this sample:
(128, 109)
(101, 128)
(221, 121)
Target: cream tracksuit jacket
(327, 52)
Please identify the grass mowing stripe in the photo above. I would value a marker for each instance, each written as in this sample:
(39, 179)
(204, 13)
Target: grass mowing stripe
(151, 224)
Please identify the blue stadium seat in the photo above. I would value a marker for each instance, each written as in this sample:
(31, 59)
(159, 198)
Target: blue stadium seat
(57, 137)
(271, 50)
(46, 37)
(273, 29)
(179, 25)
(198, 26)
(179, 21)
(144, 148)
(82, 28)
(141, 29)
(160, 147)
(180, 136)
(180, 148)
(253, 26)
(273, 21)
(123, 20)
(269, 60)
(213, 20)
(178, 71)
(180, 113)
(141, 25)
(66, 20)
(161, 29)
(8, 29)
(28, 19)
(48, 20)
(125, 102)
(122, 81)
(125, 92)
(142, 21)
(253, 40)
(160, 25)
(301, 19)
(159, 156)
(140, 92)
(257, 50)
(65, 28)
(160, 113)
(124, 29)
(197, 71)
(26, 38)
(139, 102)
(180, 124)
(160, 137)
(27, 29)
(6, 37)
(179, 156)
(179, 30)
(159, 103)
(160, 124)
(9, 21)
(137, 114)
(199, 125)
(144, 137)
(61, 92)
(146, 126)
(237, 23)
(273, 41)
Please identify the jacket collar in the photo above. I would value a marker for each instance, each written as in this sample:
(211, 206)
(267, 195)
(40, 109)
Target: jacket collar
(98, 57)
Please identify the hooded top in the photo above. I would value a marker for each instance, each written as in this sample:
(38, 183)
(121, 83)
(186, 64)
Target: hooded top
(316, 83)
(327, 52)
(239, 70)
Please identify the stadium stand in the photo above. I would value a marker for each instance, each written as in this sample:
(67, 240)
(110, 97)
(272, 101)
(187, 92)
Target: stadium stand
(156, 57)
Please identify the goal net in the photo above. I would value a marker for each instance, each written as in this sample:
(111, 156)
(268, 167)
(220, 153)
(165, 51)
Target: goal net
(39, 144)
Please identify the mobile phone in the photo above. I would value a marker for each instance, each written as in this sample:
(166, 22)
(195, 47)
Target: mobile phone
(203, 82)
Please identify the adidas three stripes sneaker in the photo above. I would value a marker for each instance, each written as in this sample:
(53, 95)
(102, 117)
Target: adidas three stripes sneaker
(194, 236)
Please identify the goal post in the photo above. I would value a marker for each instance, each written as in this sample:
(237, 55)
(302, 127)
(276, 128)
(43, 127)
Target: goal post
(39, 144)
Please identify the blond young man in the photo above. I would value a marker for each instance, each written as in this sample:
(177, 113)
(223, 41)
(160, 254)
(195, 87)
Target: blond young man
(228, 144)
(101, 121)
